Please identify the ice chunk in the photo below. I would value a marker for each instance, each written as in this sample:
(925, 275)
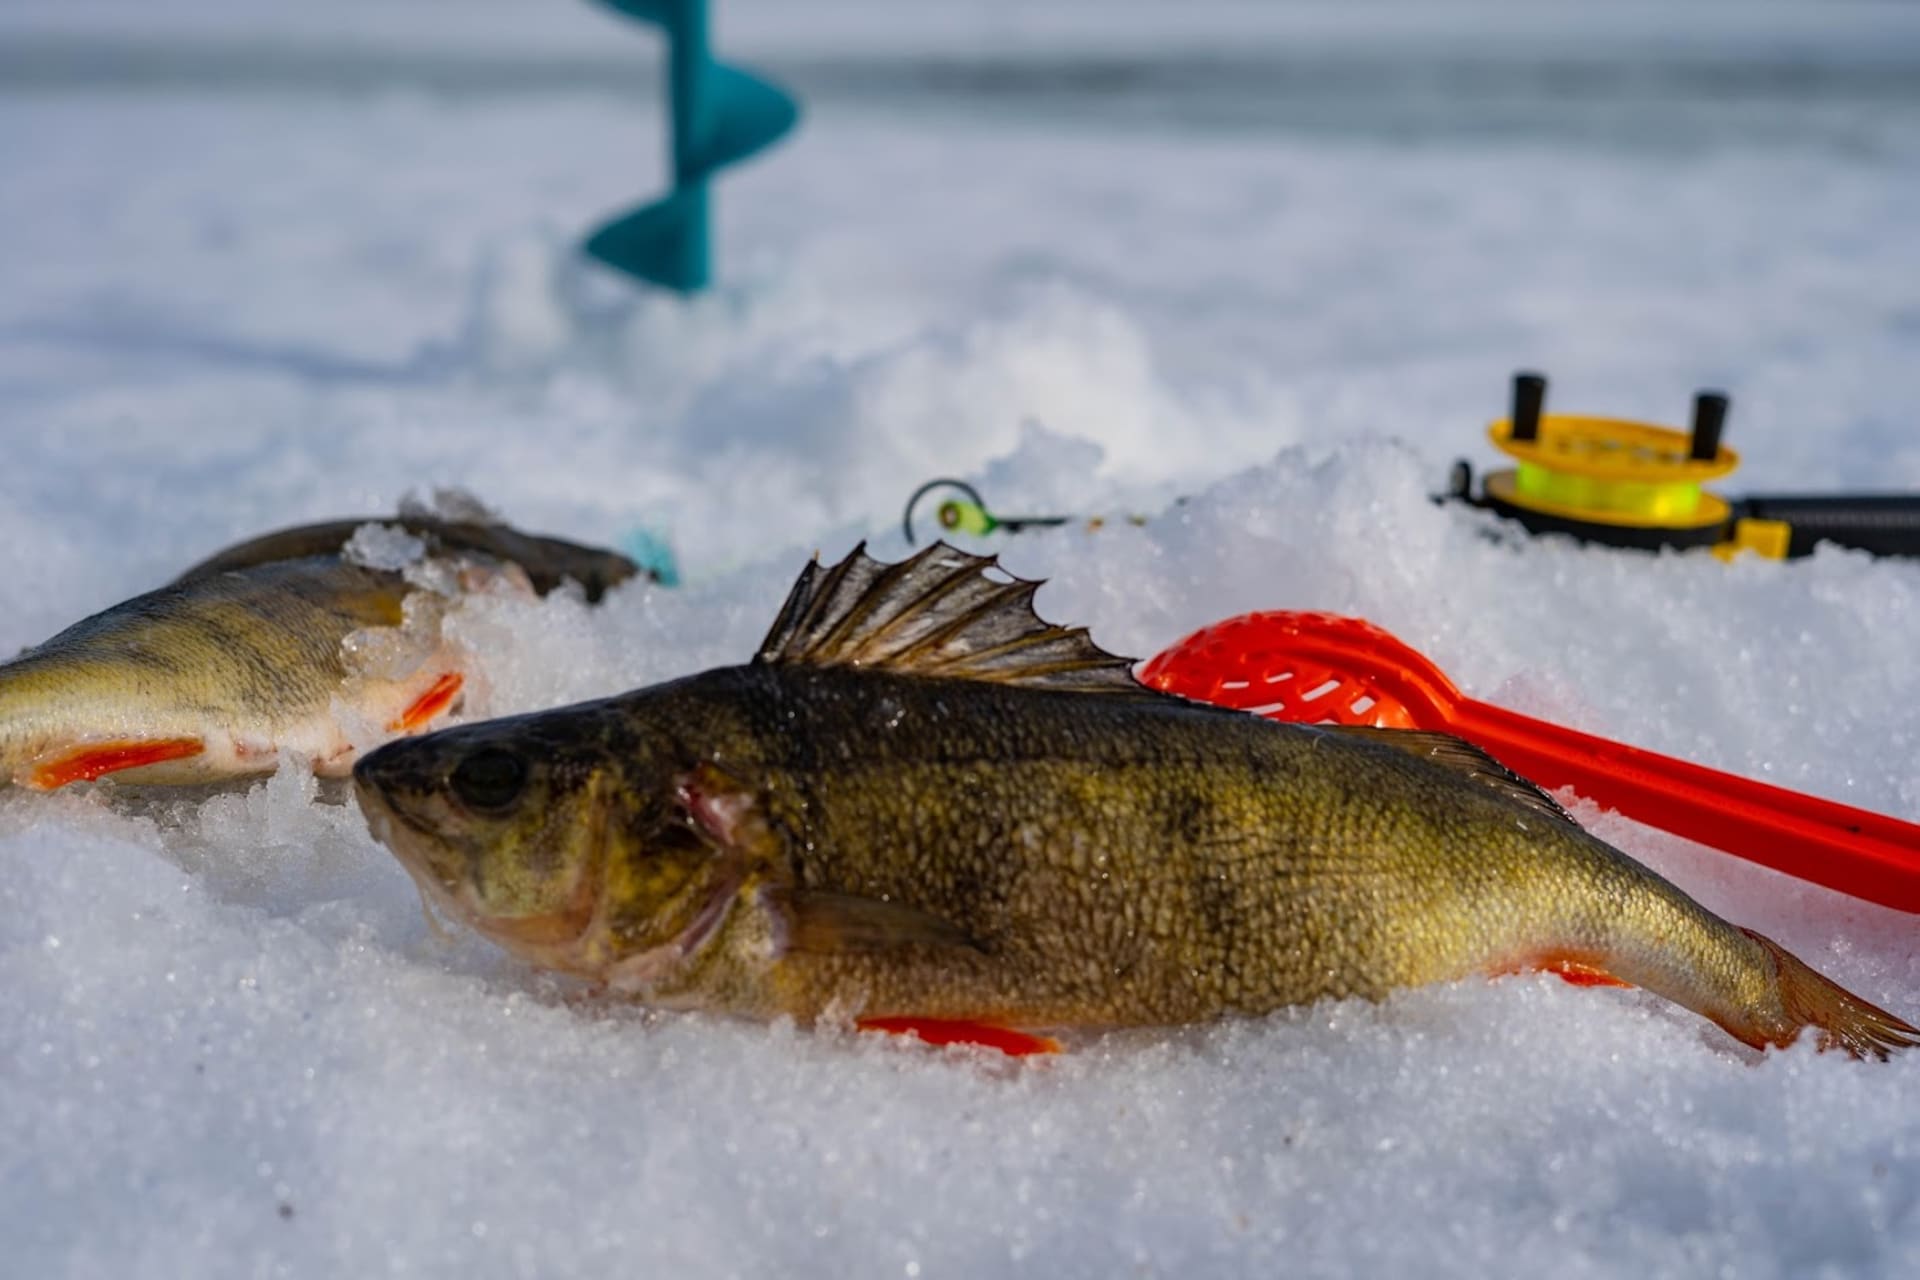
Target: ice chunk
(384, 546)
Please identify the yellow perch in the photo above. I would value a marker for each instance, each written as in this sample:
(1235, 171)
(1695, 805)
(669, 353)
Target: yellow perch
(212, 679)
(920, 807)
(287, 642)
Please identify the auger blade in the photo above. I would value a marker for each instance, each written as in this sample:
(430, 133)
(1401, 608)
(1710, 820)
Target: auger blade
(663, 243)
(750, 114)
(720, 115)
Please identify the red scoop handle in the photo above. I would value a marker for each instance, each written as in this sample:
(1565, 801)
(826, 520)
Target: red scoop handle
(1853, 850)
(1319, 668)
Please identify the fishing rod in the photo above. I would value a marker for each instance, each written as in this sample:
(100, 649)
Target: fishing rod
(967, 512)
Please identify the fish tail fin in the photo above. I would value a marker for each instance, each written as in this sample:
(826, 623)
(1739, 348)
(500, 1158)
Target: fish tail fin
(1809, 999)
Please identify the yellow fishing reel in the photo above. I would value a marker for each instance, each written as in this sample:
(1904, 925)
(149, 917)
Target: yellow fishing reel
(1635, 484)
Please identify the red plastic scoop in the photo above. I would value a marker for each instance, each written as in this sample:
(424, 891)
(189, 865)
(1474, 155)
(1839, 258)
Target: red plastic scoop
(1320, 668)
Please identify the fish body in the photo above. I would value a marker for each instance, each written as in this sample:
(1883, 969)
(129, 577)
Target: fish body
(547, 561)
(214, 677)
(919, 802)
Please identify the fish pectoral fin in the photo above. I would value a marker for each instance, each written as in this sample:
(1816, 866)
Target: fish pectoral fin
(438, 697)
(1583, 975)
(1457, 755)
(98, 759)
(942, 1031)
(937, 614)
(823, 923)
(1576, 968)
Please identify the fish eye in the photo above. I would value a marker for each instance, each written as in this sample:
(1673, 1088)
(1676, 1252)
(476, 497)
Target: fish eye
(490, 778)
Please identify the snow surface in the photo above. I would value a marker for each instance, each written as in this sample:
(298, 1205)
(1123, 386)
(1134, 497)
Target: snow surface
(264, 264)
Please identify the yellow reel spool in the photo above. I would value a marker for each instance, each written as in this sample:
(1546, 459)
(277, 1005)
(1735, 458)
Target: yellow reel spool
(1610, 471)
(1635, 485)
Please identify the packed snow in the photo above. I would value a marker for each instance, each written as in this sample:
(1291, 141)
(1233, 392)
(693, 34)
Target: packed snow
(268, 264)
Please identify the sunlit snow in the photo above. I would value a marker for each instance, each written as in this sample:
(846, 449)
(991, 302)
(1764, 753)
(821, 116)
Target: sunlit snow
(268, 264)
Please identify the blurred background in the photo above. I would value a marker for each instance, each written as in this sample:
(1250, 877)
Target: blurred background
(314, 256)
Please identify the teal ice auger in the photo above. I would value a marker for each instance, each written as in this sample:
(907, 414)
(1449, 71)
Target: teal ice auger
(719, 115)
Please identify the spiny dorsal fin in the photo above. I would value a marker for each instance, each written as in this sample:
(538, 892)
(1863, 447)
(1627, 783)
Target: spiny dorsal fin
(936, 614)
(1457, 755)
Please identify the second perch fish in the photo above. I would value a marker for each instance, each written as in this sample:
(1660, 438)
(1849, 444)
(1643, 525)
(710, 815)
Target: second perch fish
(215, 675)
(921, 806)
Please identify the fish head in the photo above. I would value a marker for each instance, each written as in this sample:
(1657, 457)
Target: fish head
(506, 825)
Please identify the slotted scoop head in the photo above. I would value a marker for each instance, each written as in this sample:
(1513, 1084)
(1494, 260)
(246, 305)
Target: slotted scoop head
(1320, 668)
(1309, 668)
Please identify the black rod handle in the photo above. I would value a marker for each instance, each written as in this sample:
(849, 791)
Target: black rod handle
(1885, 524)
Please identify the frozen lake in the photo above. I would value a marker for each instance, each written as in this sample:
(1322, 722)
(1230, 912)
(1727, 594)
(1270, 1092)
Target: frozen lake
(264, 264)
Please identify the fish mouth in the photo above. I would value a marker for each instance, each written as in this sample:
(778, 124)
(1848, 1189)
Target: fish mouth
(434, 904)
(546, 939)
(406, 835)
(406, 838)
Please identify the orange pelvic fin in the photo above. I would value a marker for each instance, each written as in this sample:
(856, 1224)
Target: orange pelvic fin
(1841, 1019)
(435, 700)
(1015, 1044)
(98, 759)
(1584, 975)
